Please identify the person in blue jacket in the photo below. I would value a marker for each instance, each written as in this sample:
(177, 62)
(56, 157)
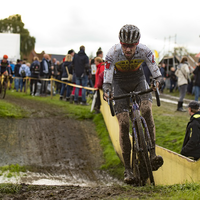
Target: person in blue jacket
(23, 71)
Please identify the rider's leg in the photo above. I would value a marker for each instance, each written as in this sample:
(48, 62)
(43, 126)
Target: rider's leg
(123, 119)
(146, 111)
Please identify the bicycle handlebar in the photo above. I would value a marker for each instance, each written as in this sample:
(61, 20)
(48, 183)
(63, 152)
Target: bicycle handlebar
(131, 94)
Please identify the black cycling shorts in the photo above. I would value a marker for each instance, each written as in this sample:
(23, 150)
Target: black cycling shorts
(119, 88)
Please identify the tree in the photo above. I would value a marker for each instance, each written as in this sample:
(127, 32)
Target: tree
(14, 24)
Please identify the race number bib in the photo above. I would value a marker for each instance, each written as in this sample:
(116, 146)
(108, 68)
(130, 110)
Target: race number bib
(93, 69)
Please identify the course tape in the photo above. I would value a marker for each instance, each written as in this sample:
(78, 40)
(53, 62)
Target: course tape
(53, 79)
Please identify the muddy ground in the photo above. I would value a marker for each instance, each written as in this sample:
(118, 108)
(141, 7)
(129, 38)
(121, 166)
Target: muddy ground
(55, 148)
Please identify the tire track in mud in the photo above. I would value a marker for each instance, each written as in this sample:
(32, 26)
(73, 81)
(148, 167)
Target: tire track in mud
(54, 146)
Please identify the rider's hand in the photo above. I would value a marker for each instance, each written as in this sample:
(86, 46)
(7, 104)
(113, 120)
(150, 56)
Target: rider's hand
(106, 91)
(157, 83)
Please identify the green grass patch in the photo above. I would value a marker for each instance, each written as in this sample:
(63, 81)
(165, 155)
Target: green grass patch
(9, 188)
(75, 111)
(112, 161)
(170, 126)
(11, 170)
(10, 110)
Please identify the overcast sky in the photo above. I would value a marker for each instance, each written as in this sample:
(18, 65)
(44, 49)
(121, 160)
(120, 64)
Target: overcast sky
(66, 24)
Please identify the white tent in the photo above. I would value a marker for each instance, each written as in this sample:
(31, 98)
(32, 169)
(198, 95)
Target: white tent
(10, 45)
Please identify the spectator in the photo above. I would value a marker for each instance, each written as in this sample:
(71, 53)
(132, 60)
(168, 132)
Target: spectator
(173, 79)
(12, 73)
(191, 144)
(196, 72)
(45, 72)
(81, 66)
(147, 72)
(182, 73)
(99, 53)
(55, 65)
(100, 80)
(17, 75)
(35, 71)
(23, 71)
(66, 65)
(163, 72)
(71, 52)
(100, 68)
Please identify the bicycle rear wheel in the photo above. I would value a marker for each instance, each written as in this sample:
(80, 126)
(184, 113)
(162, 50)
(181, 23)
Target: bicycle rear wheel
(144, 150)
(2, 90)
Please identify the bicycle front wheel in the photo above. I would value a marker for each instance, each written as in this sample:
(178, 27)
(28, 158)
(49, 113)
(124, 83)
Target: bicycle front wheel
(144, 150)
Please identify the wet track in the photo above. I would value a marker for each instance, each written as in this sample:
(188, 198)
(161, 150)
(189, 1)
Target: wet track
(58, 150)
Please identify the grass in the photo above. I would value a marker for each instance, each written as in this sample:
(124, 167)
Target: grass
(12, 170)
(112, 161)
(170, 124)
(10, 110)
(9, 188)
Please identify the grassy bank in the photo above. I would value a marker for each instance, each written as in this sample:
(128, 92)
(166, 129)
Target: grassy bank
(10, 110)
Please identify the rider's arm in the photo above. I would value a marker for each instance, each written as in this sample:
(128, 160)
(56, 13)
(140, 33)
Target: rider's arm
(148, 57)
(108, 72)
(153, 67)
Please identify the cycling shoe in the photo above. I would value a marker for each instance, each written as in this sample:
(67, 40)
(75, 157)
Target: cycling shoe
(129, 178)
(156, 162)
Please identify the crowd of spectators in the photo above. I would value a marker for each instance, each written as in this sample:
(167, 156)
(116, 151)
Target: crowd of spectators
(38, 73)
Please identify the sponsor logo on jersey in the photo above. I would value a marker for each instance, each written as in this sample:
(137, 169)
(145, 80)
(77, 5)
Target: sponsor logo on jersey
(126, 66)
(150, 56)
(107, 65)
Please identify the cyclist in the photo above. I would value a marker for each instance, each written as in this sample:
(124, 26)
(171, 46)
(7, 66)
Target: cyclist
(5, 66)
(123, 73)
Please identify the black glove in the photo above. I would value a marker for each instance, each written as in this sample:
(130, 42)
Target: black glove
(106, 89)
(160, 80)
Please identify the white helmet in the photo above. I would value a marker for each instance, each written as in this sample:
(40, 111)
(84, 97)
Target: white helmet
(129, 34)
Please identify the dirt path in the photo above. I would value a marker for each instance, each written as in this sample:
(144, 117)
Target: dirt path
(58, 150)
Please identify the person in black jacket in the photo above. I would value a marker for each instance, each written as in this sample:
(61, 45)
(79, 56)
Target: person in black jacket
(196, 72)
(35, 72)
(191, 144)
(81, 66)
(17, 75)
(45, 73)
(173, 79)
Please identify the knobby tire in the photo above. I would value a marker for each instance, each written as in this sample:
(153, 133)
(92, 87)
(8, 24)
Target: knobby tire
(143, 145)
(2, 90)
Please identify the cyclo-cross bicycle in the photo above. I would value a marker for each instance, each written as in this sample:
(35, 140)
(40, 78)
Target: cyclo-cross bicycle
(3, 84)
(141, 140)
